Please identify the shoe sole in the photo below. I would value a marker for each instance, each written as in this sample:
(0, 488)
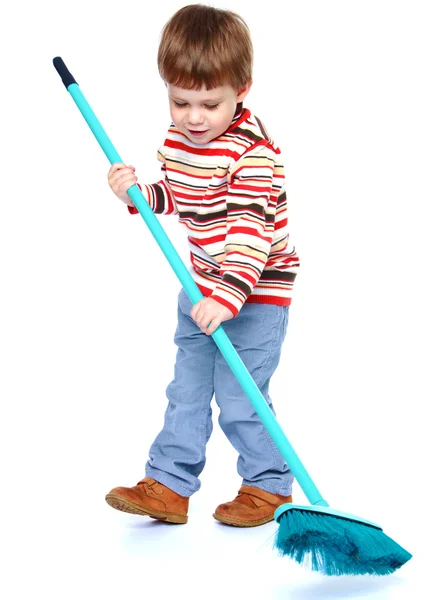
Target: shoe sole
(125, 505)
(241, 523)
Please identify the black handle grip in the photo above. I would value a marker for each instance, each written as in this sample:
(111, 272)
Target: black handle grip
(67, 78)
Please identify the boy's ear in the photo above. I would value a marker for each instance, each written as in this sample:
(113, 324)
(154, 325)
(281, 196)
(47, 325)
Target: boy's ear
(244, 91)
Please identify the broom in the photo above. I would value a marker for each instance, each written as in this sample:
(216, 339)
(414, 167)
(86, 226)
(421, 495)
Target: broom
(329, 541)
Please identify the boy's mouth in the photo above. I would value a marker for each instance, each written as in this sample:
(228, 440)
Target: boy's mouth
(197, 133)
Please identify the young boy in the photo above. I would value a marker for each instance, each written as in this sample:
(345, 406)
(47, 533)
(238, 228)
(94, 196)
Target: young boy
(223, 177)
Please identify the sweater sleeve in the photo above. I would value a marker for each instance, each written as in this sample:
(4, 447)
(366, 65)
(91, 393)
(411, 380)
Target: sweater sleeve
(251, 211)
(158, 195)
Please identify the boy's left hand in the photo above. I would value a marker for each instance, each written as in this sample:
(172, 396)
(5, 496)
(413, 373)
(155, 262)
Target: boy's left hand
(209, 311)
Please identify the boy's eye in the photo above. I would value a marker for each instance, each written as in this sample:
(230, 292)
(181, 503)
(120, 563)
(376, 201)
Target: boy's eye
(184, 104)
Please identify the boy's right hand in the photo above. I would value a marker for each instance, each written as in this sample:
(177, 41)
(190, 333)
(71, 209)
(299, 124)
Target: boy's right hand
(120, 178)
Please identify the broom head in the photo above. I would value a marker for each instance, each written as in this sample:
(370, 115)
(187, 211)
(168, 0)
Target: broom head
(336, 543)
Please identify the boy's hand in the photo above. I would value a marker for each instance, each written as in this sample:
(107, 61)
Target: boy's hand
(120, 179)
(209, 311)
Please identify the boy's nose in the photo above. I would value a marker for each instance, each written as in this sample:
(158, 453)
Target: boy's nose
(195, 117)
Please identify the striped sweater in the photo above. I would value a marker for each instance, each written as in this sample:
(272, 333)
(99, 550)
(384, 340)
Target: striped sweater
(230, 195)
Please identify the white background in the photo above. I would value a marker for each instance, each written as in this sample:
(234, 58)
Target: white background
(88, 302)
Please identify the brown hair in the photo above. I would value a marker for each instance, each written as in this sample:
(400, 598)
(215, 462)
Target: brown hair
(201, 45)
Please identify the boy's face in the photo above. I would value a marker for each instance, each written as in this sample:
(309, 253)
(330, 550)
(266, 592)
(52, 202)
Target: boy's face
(203, 115)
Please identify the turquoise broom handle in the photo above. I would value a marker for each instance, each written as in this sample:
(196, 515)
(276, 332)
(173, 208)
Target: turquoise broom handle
(227, 349)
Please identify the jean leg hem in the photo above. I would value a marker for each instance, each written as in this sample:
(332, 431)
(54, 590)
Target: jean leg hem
(170, 482)
(272, 489)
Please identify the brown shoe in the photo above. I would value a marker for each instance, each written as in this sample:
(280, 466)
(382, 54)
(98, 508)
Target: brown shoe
(250, 508)
(150, 498)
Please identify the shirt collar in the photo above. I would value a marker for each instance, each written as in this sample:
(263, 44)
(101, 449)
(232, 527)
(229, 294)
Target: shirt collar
(238, 113)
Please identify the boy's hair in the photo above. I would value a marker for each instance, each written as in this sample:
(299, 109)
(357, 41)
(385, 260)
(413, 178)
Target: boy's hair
(201, 45)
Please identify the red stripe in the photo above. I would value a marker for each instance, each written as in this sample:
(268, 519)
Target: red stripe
(258, 299)
(246, 114)
(280, 224)
(207, 176)
(201, 151)
(248, 231)
(198, 197)
(205, 242)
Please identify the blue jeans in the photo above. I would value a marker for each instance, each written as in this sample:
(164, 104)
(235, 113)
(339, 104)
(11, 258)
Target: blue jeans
(178, 454)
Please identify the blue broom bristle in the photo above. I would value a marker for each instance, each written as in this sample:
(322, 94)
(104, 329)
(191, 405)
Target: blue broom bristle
(337, 546)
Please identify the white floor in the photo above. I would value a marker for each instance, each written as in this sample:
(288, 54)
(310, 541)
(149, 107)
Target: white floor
(62, 541)
(89, 552)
